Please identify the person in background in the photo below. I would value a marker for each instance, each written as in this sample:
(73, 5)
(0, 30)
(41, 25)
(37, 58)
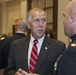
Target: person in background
(10, 34)
(3, 36)
(0, 37)
(50, 33)
(36, 54)
(5, 45)
(67, 63)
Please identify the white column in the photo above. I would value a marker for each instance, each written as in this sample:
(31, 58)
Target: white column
(23, 8)
(4, 17)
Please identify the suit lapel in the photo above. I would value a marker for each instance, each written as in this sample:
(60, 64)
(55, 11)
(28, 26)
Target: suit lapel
(42, 54)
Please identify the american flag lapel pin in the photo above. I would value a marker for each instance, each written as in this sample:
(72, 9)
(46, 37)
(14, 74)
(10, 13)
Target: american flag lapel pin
(46, 48)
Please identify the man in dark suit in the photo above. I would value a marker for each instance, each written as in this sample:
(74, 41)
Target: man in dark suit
(5, 45)
(48, 49)
(67, 63)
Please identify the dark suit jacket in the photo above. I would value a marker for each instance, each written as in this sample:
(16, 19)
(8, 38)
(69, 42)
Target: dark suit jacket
(67, 63)
(5, 48)
(45, 65)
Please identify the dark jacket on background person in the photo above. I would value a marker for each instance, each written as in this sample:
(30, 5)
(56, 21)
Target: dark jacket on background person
(5, 48)
(20, 29)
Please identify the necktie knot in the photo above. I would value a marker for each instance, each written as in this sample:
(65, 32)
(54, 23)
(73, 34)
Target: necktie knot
(35, 41)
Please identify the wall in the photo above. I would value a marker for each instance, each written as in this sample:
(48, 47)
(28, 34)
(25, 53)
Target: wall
(0, 18)
(61, 7)
(23, 8)
(13, 12)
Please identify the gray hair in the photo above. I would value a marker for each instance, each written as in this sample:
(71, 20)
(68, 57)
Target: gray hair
(22, 24)
(31, 13)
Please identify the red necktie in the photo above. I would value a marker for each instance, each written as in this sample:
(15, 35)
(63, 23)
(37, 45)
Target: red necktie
(34, 56)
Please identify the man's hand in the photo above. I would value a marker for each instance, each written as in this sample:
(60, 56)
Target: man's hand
(26, 73)
(22, 72)
(19, 72)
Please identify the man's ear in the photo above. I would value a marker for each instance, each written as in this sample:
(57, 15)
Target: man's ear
(73, 17)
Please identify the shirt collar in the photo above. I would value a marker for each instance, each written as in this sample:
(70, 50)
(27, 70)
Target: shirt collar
(39, 40)
(73, 37)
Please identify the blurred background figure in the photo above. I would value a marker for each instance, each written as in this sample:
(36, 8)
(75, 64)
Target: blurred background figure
(0, 37)
(50, 33)
(10, 34)
(20, 29)
(3, 36)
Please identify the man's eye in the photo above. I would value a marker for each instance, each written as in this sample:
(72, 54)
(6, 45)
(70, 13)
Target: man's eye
(36, 20)
(43, 20)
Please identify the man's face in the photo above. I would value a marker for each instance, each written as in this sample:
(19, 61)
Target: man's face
(38, 24)
(67, 23)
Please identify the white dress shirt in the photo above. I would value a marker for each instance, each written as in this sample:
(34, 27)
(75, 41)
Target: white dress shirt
(39, 44)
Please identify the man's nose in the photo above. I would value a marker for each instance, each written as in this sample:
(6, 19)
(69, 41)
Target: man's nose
(40, 23)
